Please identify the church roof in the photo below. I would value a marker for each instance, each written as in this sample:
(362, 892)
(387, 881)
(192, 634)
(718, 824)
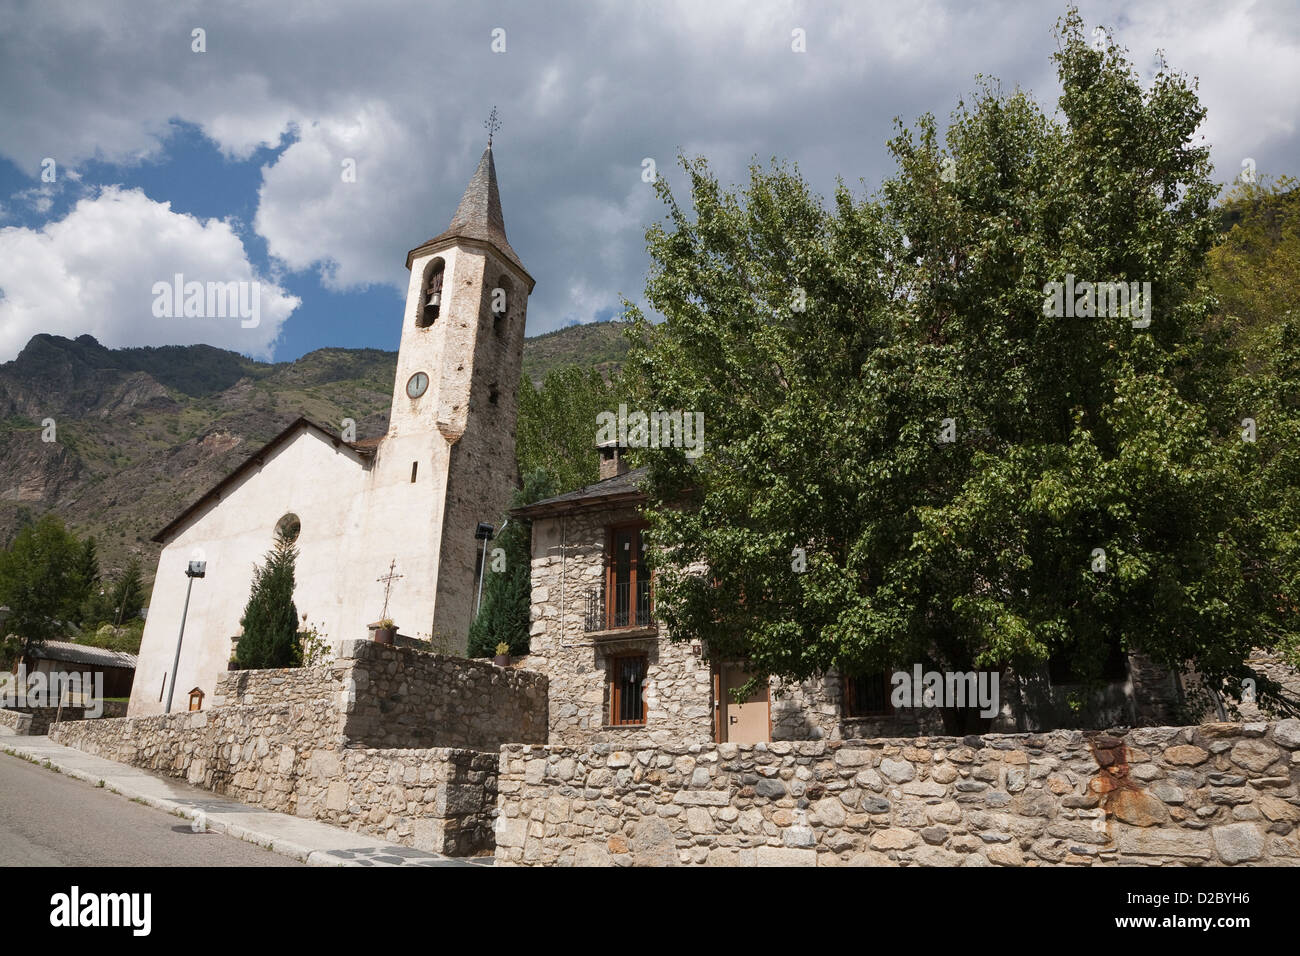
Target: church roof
(365, 448)
(616, 490)
(478, 216)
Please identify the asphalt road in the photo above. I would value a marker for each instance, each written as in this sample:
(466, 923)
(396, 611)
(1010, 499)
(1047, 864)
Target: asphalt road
(47, 819)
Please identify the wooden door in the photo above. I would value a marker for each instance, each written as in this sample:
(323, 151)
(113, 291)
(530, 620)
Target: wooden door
(744, 723)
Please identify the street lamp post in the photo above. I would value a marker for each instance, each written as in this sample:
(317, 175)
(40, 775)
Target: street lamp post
(196, 569)
(483, 533)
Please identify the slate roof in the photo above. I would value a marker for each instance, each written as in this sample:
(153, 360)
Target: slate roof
(621, 488)
(478, 216)
(83, 654)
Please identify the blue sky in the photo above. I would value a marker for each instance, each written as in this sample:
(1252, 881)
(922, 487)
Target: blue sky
(191, 173)
(223, 164)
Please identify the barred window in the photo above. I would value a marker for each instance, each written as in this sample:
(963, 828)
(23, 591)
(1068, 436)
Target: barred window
(867, 695)
(627, 673)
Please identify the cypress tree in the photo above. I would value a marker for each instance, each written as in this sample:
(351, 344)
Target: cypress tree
(503, 616)
(128, 593)
(270, 618)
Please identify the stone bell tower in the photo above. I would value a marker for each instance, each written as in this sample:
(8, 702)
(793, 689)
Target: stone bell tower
(456, 392)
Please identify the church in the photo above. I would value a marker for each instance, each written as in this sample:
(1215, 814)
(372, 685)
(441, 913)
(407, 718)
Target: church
(409, 501)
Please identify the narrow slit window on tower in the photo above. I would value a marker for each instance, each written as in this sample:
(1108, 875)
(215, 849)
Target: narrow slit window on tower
(493, 393)
(431, 307)
(414, 467)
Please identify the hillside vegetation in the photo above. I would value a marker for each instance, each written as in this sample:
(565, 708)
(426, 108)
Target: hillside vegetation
(141, 433)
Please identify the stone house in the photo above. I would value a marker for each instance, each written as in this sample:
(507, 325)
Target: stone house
(615, 676)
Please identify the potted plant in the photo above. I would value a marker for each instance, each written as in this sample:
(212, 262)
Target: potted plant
(385, 631)
(503, 655)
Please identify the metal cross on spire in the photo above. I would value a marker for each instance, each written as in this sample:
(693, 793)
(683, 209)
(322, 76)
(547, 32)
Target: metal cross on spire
(493, 124)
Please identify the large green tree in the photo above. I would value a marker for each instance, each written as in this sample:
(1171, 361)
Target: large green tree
(1255, 268)
(556, 430)
(1255, 272)
(127, 595)
(908, 458)
(42, 578)
(85, 581)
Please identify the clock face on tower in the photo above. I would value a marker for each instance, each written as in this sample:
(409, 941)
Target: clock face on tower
(417, 384)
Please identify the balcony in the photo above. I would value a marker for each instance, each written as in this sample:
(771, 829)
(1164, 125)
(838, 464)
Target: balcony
(628, 608)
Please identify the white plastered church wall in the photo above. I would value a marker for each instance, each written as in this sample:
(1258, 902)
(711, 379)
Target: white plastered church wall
(359, 515)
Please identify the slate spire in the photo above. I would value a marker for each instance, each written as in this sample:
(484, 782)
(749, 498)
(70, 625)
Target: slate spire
(479, 214)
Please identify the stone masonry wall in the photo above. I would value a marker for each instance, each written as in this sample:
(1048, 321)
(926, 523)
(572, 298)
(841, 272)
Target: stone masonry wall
(285, 685)
(442, 799)
(1213, 795)
(225, 749)
(287, 758)
(395, 697)
(813, 710)
(38, 719)
(383, 740)
(17, 722)
(1272, 665)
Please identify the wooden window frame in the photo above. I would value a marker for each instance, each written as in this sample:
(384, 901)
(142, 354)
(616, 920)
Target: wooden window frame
(614, 675)
(634, 577)
(849, 692)
(1114, 669)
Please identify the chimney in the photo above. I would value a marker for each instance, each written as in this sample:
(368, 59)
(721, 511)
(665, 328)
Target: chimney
(612, 460)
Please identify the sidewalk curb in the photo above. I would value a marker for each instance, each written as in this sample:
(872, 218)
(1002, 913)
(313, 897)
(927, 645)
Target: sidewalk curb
(311, 856)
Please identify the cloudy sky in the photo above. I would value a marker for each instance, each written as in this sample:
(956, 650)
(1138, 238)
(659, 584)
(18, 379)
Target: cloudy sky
(228, 164)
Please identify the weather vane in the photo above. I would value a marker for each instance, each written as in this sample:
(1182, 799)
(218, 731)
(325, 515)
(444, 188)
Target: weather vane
(493, 124)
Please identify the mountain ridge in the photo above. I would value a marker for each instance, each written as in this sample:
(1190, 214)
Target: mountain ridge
(141, 432)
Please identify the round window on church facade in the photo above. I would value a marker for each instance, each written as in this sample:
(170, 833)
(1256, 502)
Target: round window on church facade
(289, 527)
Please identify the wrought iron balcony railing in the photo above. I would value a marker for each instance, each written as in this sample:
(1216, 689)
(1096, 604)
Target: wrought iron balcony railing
(624, 610)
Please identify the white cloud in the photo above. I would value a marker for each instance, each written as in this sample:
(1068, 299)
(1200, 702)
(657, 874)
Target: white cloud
(1248, 61)
(94, 271)
(312, 216)
(584, 89)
